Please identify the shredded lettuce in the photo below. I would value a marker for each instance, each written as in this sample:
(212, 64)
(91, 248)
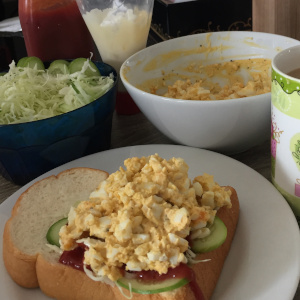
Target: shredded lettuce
(122, 292)
(28, 94)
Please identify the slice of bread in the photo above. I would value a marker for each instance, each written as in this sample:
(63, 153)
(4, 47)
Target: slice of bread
(41, 205)
(31, 263)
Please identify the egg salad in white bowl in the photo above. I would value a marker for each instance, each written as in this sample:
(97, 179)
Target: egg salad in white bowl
(208, 90)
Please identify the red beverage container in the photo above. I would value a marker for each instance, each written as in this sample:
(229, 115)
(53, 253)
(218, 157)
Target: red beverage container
(54, 29)
(125, 104)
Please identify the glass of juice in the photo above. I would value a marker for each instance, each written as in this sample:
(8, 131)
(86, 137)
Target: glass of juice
(54, 29)
(119, 29)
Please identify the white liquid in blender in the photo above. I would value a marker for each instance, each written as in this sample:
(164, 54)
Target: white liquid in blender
(119, 34)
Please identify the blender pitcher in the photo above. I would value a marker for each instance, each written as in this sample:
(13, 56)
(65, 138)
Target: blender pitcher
(119, 29)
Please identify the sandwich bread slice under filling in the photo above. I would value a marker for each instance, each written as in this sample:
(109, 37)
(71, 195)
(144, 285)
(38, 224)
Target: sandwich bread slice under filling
(138, 228)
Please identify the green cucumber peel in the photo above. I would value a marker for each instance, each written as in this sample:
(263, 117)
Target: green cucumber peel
(53, 232)
(59, 66)
(31, 62)
(216, 238)
(137, 286)
(78, 64)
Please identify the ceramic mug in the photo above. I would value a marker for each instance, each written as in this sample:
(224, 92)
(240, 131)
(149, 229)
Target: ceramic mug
(285, 127)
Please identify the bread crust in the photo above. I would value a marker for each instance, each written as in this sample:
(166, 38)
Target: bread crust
(208, 273)
(21, 266)
(65, 283)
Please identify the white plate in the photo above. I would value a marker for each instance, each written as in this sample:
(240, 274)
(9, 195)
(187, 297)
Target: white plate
(264, 261)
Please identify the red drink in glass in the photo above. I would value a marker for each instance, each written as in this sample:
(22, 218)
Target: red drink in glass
(54, 29)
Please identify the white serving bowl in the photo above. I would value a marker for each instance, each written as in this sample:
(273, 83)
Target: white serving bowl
(227, 126)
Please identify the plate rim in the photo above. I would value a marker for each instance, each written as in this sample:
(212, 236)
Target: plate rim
(176, 148)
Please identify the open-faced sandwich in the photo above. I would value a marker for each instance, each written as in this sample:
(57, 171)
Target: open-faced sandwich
(146, 231)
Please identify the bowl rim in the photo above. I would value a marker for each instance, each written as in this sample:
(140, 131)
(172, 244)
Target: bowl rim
(116, 79)
(193, 36)
(219, 33)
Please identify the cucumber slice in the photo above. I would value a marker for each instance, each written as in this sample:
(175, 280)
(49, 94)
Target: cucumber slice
(22, 62)
(137, 286)
(216, 238)
(59, 66)
(77, 64)
(53, 232)
(31, 62)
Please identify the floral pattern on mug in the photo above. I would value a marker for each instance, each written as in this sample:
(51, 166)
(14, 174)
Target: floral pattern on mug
(295, 149)
(297, 187)
(275, 139)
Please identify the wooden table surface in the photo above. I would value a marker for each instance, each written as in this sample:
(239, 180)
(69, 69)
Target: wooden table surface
(137, 130)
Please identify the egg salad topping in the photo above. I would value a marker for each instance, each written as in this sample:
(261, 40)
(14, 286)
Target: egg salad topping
(139, 218)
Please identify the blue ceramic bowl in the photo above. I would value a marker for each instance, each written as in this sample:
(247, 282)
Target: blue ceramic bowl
(28, 150)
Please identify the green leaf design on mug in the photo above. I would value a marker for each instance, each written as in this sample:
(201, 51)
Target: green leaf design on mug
(295, 148)
(287, 84)
(282, 99)
(286, 94)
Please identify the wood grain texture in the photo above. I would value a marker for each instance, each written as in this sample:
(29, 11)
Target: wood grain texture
(277, 16)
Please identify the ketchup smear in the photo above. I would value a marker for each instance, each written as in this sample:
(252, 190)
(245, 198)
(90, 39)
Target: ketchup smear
(74, 259)
(181, 271)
